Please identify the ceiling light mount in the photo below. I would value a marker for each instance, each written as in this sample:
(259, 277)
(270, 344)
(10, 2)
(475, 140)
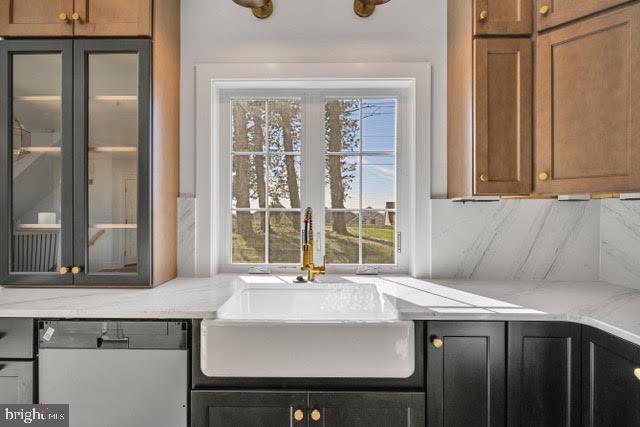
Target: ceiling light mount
(261, 9)
(365, 8)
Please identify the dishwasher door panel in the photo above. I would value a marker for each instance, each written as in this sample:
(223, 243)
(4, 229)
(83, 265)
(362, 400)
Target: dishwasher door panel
(120, 387)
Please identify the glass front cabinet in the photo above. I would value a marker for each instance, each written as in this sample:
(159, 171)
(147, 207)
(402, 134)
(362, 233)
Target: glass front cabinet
(75, 139)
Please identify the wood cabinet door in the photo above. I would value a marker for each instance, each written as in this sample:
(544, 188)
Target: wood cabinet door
(36, 18)
(610, 380)
(466, 374)
(247, 408)
(16, 382)
(551, 13)
(502, 17)
(117, 18)
(543, 374)
(503, 117)
(364, 409)
(588, 105)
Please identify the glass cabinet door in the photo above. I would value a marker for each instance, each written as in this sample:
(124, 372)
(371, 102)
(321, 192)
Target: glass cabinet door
(36, 162)
(111, 154)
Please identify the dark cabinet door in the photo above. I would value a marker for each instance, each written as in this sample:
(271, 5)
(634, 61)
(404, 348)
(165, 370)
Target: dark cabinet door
(248, 409)
(610, 380)
(36, 161)
(466, 374)
(543, 374)
(365, 409)
(112, 162)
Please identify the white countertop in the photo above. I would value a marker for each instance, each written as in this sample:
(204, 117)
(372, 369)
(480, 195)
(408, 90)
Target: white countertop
(614, 309)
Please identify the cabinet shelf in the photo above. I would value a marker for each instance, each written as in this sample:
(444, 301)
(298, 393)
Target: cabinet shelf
(113, 226)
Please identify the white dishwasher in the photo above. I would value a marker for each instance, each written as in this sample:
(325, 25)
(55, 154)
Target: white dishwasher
(115, 373)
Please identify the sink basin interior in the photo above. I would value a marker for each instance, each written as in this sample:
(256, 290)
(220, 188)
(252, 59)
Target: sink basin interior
(309, 302)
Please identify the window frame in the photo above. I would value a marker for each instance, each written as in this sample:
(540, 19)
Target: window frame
(312, 189)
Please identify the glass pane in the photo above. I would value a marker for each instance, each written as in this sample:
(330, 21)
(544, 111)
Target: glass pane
(342, 182)
(284, 181)
(378, 182)
(248, 181)
(285, 125)
(378, 237)
(113, 163)
(248, 237)
(37, 163)
(341, 236)
(342, 125)
(248, 122)
(284, 237)
(379, 124)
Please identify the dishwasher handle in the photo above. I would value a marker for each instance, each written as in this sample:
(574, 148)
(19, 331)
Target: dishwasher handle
(106, 342)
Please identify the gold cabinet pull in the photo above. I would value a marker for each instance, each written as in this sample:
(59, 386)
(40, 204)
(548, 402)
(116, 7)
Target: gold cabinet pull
(298, 415)
(63, 17)
(63, 270)
(484, 15)
(76, 270)
(636, 372)
(315, 415)
(75, 17)
(544, 10)
(484, 177)
(543, 176)
(437, 342)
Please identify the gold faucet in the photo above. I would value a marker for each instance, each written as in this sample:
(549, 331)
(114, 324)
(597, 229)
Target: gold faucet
(307, 249)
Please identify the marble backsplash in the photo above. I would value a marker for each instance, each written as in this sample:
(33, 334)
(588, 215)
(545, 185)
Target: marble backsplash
(537, 240)
(516, 240)
(620, 242)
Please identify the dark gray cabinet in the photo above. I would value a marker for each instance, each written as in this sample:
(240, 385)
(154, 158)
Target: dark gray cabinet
(75, 124)
(211, 408)
(16, 382)
(610, 380)
(466, 370)
(365, 409)
(543, 374)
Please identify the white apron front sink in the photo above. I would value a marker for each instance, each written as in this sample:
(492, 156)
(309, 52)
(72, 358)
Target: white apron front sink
(308, 331)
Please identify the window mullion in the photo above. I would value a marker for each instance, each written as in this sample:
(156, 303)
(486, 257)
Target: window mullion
(315, 154)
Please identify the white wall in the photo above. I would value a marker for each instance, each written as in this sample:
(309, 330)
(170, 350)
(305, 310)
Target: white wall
(313, 31)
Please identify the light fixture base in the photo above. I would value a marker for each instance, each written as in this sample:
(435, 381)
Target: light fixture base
(362, 9)
(264, 11)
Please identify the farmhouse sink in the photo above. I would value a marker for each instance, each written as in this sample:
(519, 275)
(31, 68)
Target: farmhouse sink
(308, 331)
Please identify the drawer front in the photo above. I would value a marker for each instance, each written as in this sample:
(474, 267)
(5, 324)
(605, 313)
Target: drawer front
(16, 338)
(551, 13)
(16, 382)
(502, 17)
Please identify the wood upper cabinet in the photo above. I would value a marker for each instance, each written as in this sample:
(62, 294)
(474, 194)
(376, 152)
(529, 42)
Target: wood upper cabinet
(588, 105)
(47, 18)
(83, 18)
(502, 101)
(610, 380)
(500, 17)
(118, 18)
(551, 13)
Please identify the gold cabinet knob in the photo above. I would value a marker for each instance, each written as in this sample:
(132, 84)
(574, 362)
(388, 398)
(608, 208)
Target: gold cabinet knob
(636, 372)
(76, 270)
(298, 415)
(437, 342)
(484, 15)
(544, 10)
(63, 17)
(75, 17)
(484, 177)
(63, 270)
(543, 176)
(315, 415)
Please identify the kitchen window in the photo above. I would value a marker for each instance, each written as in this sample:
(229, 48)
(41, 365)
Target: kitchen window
(338, 152)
